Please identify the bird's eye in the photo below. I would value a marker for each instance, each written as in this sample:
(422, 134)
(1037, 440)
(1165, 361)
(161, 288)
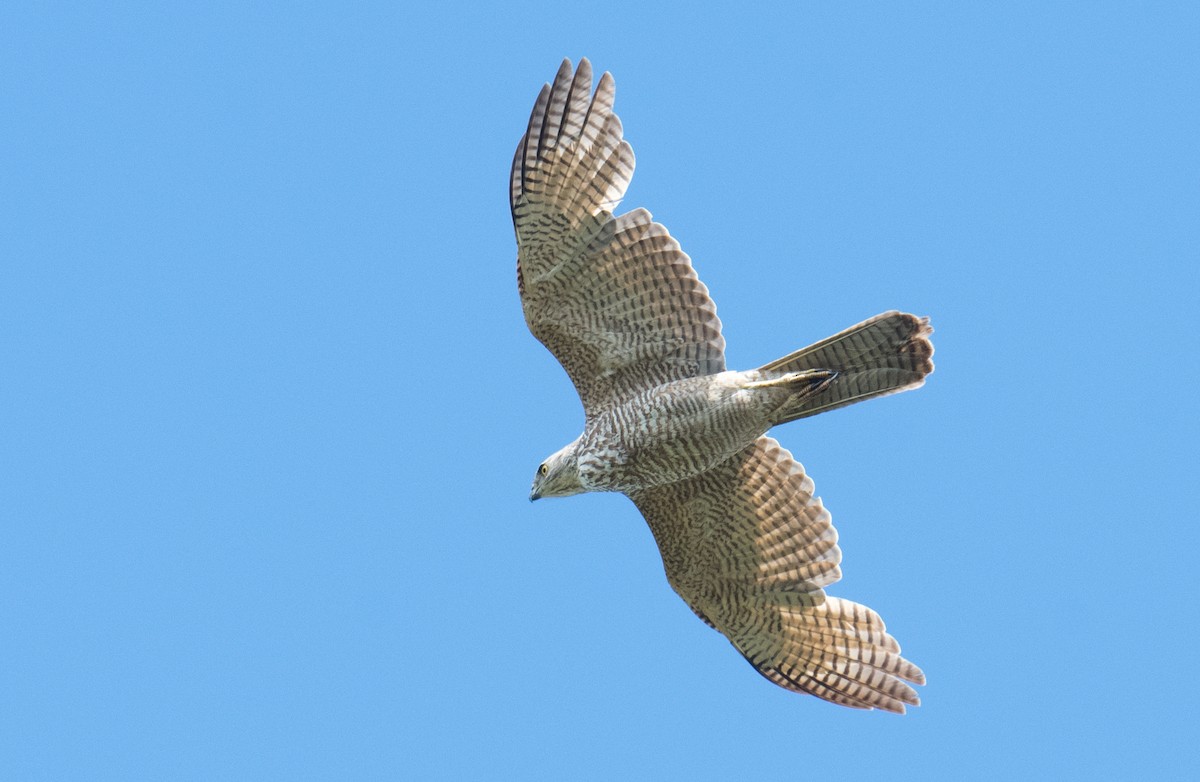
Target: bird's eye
(543, 470)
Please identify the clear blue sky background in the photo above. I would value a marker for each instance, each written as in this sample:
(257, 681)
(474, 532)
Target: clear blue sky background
(269, 411)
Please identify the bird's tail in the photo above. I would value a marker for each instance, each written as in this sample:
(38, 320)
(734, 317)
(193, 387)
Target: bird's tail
(886, 354)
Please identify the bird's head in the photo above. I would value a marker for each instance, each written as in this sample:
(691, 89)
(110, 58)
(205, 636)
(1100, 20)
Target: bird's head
(558, 476)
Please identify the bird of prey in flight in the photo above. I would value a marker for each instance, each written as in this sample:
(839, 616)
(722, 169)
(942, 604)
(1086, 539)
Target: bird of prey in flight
(743, 540)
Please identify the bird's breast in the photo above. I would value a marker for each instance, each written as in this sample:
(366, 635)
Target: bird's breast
(669, 433)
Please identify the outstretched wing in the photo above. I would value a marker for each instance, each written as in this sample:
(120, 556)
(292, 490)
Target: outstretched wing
(750, 549)
(614, 298)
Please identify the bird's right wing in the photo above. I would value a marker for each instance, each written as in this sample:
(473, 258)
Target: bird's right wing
(750, 548)
(615, 299)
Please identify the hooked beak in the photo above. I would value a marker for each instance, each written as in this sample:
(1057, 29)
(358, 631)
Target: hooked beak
(534, 494)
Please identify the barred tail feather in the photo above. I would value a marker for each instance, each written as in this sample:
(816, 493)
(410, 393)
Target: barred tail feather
(886, 354)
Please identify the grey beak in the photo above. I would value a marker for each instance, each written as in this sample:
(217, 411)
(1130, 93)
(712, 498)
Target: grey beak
(533, 495)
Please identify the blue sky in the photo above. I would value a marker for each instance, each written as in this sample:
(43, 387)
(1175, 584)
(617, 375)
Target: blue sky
(269, 411)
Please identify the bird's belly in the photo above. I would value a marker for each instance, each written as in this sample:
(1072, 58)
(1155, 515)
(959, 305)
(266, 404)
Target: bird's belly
(679, 431)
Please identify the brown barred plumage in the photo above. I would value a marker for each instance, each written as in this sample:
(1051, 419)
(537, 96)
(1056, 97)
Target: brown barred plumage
(743, 540)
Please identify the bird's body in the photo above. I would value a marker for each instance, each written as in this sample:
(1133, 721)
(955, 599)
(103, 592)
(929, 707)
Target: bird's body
(743, 540)
(675, 431)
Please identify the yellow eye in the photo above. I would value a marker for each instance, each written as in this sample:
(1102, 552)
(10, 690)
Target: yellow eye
(543, 470)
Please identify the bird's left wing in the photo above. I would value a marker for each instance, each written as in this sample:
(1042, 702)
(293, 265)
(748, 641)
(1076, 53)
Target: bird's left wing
(750, 549)
(615, 299)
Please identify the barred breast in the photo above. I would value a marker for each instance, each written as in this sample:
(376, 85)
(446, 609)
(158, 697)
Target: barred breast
(674, 431)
